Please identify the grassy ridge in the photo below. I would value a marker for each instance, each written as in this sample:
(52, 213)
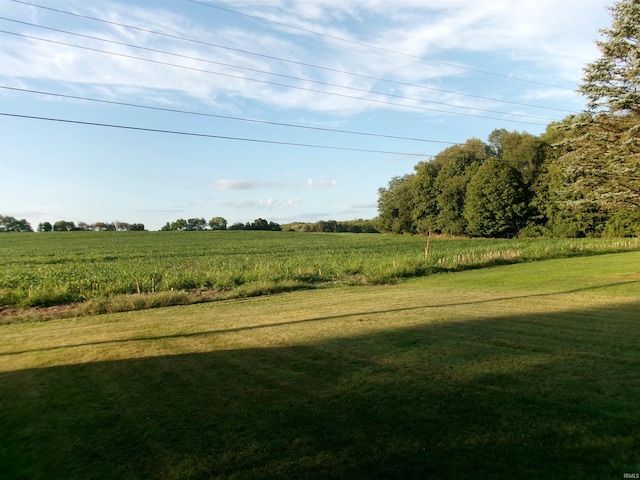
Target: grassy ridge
(61, 268)
(525, 371)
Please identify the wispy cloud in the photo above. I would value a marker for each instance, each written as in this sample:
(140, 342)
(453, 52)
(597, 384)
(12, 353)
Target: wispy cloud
(245, 185)
(364, 206)
(515, 30)
(322, 183)
(266, 204)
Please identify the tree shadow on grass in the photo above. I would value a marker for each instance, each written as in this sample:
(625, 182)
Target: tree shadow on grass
(537, 396)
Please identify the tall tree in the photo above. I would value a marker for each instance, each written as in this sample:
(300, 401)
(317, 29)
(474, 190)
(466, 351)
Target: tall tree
(218, 223)
(424, 213)
(601, 156)
(496, 201)
(459, 164)
(394, 205)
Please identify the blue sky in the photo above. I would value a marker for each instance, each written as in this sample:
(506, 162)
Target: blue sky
(433, 72)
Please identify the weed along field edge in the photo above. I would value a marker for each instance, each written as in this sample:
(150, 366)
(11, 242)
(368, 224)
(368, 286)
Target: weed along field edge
(528, 370)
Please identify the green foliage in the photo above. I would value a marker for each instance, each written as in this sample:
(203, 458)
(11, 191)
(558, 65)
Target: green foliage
(332, 226)
(424, 213)
(459, 164)
(11, 224)
(624, 223)
(601, 152)
(612, 82)
(218, 223)
(395, 206)
(495, 201)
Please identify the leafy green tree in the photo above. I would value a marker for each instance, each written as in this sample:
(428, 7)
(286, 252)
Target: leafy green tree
(394, 205)
(459, 164)
(218, 223)
(64, 226)
(624, 223)
(196, 224)
(424, 212)
(260, 224)
(180, 224)
(11, 224)
(45, 227)
(524, 151)
(601, 155)
(496, 201)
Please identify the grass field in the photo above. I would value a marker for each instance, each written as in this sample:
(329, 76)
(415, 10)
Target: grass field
(161, 268)
(530, 370)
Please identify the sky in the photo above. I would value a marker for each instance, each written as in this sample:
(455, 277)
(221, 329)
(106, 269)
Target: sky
(288, 110)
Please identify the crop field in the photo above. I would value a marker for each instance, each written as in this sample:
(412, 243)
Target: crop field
(529, 370)
(162, 268)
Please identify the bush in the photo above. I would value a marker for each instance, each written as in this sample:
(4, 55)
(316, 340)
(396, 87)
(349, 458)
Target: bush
(624, 223)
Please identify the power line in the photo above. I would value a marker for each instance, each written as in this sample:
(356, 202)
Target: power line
(275, 142)
(358, 75)
(375, 47)
(207, 135)
(292, 77)
(372, 100)
(226, 117)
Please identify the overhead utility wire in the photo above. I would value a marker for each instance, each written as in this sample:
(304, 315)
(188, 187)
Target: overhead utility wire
(375, 47)
(247, 52)
(249, 120)
(319, 82)
(372, 100)
(227, 117)
(270, 142)
(207, 135)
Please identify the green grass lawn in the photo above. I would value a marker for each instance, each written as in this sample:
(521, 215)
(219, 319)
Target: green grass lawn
(529, 370)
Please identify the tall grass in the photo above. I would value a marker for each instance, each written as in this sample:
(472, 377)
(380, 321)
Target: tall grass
(61, 268)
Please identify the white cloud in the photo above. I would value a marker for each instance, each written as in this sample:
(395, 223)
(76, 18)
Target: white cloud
(245, 185)
(322, 183)
(531, 33)
(270, 203)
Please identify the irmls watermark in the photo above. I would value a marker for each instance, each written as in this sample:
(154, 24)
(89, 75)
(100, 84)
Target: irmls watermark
(631, 475)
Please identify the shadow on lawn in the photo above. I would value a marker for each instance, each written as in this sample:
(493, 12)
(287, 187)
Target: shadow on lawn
(541, 396)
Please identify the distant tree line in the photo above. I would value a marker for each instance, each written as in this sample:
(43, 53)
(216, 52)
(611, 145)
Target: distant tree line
(218, 223)
(350, 226)
(11, 224)
(257, 224)
(67, 226)
(195, 224)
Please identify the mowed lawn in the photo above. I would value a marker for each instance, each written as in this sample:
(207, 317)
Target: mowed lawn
(521, 371)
